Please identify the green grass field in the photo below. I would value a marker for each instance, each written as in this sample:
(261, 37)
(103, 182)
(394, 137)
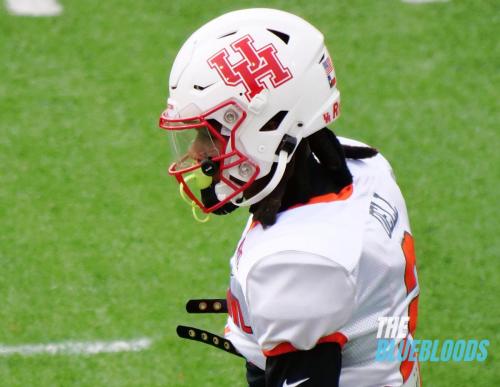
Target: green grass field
(95, 243)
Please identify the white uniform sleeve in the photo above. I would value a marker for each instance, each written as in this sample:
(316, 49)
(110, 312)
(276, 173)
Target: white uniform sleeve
(245, 344)
(298, 298)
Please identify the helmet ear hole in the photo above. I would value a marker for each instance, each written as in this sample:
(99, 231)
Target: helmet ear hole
(274, 122)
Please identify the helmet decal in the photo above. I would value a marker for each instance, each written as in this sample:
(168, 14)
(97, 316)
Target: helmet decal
(329, 71)
(256, 65)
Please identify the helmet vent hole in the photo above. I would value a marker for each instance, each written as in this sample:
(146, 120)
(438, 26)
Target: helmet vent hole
(274, 122)
(228, 34)
(284, 37)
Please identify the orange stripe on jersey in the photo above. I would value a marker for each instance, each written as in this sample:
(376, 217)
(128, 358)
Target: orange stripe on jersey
(280, 349)
(410, 279)
(283, 348)
(344, 194)
(253, 225)
(336, 337)
(406, 365)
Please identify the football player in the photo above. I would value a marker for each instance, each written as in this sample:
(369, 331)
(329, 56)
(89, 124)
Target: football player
(328, 249)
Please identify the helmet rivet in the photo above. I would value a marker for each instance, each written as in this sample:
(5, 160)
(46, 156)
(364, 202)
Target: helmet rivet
(230, 116)
(262, 148)
(245, 169)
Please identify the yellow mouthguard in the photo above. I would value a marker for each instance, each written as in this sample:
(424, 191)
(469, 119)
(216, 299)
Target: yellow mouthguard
(200, 181)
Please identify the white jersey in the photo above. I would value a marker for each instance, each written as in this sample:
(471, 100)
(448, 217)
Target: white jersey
(325, 272)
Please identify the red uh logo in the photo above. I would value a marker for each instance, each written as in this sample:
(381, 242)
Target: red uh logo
(256, 65)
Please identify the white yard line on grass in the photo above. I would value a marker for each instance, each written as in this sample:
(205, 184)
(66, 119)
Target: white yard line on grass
(77, 348)
(34, 7)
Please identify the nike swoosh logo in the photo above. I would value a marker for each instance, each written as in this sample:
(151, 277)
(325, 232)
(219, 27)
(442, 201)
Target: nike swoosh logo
(285, 384)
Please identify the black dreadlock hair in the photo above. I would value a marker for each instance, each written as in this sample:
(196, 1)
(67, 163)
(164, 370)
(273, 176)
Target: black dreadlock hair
(318, 166)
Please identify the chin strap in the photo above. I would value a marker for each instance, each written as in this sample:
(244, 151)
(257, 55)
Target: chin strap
(273, 183)
(205, 337)
(217, 305)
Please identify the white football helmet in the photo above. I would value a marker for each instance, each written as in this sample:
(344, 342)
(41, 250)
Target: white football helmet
(244, 90)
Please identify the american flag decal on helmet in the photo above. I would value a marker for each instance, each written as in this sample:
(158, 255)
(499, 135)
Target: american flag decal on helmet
(329, 71)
